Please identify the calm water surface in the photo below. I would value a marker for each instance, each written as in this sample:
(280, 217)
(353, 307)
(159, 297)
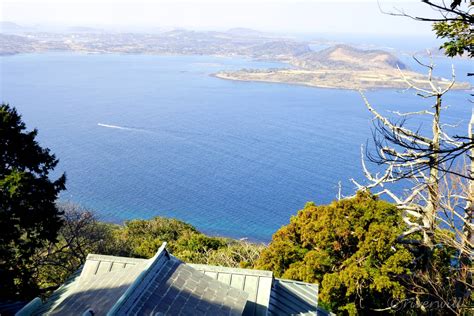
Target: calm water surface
(140, 136)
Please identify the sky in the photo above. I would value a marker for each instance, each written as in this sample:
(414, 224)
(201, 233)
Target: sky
(297, 16)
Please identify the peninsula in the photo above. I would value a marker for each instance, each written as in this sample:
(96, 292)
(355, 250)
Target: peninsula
(342, 67)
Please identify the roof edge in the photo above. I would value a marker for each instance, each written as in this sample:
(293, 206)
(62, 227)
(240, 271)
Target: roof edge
(30, 308)
(121, 301)
(93, 256)
(299, 282)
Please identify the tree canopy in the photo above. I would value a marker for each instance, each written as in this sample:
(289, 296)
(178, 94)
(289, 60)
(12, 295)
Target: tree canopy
(348, 247)
(29, 217)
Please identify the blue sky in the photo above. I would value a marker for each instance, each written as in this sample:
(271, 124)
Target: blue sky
(315, 16)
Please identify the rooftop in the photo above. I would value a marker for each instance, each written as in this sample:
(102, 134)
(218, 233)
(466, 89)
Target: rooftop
(164, 285)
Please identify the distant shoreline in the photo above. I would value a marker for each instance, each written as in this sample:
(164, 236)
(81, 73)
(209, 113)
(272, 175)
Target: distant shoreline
(334, 83)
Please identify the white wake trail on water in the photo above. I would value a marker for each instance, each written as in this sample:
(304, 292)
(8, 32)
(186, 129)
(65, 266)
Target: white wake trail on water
(111, 126)
(123, 128)
(141, 130)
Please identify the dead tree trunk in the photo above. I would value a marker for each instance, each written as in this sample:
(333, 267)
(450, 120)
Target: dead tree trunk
(429, 217)
(467, 228)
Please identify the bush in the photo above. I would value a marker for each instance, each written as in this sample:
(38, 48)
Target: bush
(144, 237)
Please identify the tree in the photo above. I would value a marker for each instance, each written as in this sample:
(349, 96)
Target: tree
(29, 217)
(431, 207)
(349, 248)
(80, 235)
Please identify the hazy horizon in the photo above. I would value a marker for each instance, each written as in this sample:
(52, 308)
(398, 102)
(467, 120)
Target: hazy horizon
(279, 16)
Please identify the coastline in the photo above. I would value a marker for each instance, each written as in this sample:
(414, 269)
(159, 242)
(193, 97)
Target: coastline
(269, 77)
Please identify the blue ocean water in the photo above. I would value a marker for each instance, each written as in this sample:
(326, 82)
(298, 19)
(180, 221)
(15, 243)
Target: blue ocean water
(140, 136)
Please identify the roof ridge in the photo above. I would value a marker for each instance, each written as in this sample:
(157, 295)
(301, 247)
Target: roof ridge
(213, 268)
(93, 256)
(138, 281)
(298, 282)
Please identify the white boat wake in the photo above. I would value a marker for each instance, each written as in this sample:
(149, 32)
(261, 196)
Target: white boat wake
(168, 133)
(122, 127)
(111, 126)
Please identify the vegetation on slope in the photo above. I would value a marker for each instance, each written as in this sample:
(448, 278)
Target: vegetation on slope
(82, 234)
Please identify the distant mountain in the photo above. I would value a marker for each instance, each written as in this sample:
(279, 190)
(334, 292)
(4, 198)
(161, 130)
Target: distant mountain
(11, 27)
(279, 49)
(13, 44)
(340, 66)
(175, 41)
(187, 42)
(344, 56)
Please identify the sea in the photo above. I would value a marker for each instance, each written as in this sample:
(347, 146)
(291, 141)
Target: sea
(140, 136)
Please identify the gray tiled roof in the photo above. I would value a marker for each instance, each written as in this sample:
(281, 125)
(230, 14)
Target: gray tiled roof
(98, 293)
(163, 285)
(256, 283)
(95, 265)
(177, 289)
(101, 282)
(123, 286)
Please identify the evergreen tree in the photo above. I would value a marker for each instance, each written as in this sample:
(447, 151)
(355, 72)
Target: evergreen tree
(29, 217)
(349, 248)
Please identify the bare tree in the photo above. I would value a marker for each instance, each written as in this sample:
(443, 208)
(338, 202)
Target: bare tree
(408, 154)
(434, 207)
(80, 235)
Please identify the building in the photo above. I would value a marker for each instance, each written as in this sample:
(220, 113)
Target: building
(164, 285)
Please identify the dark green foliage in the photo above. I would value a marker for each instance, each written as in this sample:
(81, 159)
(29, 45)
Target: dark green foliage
(200, 243)
(348, 247)
(28, 214)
